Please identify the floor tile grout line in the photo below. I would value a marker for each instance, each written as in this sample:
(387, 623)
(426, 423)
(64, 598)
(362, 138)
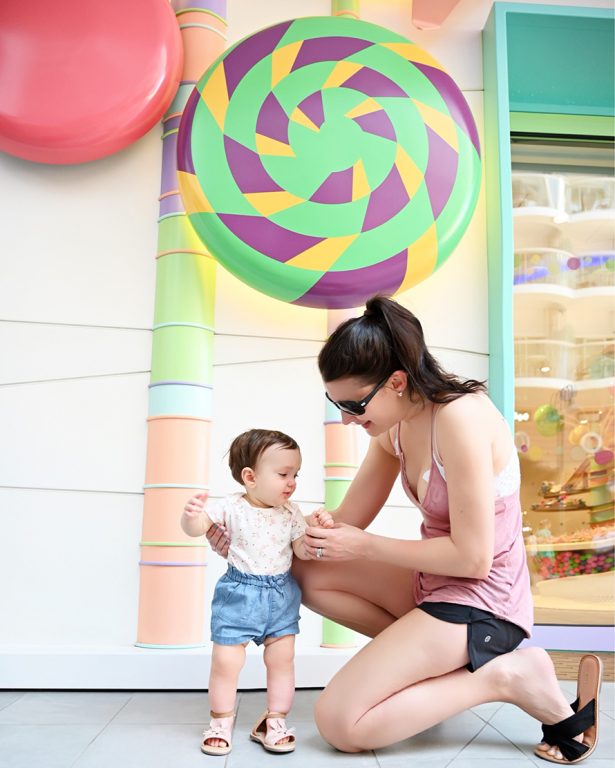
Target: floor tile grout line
(102, 730)
(467, 744)
(516, 746)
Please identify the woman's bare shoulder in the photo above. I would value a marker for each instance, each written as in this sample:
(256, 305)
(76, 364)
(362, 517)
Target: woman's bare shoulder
(467, 418)
(466, 407)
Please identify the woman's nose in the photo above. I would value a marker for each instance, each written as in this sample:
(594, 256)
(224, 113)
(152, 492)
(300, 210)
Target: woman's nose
(348, 418)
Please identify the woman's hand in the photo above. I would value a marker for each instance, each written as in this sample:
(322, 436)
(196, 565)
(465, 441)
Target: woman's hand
(218, 539)
(342, 542)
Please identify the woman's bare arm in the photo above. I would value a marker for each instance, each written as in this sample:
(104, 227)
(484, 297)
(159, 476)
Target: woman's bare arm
(465, 448)
(371, 486)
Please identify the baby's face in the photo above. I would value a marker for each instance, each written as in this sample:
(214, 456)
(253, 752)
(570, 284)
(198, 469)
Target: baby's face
(275, 476)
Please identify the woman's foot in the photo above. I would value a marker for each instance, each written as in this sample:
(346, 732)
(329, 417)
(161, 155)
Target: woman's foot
(527, 678)
(575, 738)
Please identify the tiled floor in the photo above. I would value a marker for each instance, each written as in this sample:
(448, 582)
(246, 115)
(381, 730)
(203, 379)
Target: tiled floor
(162, 730)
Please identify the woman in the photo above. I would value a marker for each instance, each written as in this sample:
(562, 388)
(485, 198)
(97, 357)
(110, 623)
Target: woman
(445, 612)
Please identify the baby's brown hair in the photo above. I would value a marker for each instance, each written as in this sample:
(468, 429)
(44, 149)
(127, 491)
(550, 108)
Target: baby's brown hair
(247, 448)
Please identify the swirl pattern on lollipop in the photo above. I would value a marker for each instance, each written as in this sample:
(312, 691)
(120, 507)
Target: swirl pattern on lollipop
(325, 159)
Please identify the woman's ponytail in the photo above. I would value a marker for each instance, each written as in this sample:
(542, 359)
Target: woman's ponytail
(386, 338)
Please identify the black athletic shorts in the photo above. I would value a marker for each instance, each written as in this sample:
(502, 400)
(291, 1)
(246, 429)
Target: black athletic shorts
(488, 637)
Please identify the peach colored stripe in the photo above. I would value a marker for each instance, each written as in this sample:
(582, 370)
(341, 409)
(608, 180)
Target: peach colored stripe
(171, 606)
(198, 41)
(177, 451)
(162, 510)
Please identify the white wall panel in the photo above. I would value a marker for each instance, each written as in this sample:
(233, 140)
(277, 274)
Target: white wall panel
(78, 242)
(40, 352)
(241, 310)
(231, 350)
(84, 434)
(71, 560)
(246, 17)
(282, 394)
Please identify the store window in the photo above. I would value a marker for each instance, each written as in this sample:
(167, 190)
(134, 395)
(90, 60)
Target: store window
(564, 322)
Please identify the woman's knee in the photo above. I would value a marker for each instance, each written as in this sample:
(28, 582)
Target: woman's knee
(334, 724)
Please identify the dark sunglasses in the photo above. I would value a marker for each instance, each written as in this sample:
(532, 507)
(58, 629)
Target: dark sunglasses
(356, 407)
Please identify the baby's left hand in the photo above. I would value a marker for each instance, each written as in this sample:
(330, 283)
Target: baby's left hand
(323, 518)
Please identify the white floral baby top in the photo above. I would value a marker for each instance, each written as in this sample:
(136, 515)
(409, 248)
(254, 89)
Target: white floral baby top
(260, 538)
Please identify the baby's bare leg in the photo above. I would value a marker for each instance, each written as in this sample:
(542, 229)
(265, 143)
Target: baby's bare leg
(279, 658)
(226, 664)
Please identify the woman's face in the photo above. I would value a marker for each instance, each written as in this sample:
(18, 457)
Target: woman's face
(381, 412)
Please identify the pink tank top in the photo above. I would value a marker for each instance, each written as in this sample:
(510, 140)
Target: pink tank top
(506, 590)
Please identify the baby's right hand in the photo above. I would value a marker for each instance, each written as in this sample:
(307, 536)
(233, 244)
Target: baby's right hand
(196, 505)
(323, 519)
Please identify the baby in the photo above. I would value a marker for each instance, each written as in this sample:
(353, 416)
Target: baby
(257, 598)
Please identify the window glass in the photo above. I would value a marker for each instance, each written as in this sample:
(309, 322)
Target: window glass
(564, 320)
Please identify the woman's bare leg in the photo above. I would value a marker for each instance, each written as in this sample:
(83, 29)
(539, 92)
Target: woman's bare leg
(411, 677)
(366, 597)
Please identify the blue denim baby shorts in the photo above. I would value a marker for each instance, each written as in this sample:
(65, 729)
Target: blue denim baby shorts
(249, 606)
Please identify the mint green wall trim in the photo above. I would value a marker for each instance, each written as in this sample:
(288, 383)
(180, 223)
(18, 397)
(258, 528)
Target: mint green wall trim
(565, 125)
(561, 63)
(499, 214)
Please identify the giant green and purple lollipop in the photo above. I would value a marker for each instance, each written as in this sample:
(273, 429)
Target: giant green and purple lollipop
(325, 159)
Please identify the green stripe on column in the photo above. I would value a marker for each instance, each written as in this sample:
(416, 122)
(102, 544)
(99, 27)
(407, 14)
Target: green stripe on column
(182, 353)
(185, 289)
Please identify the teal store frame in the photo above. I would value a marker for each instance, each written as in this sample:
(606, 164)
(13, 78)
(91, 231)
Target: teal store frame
(548, 70)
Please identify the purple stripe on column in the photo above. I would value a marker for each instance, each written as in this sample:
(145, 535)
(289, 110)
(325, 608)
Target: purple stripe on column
(245, 55)
(272, 121)
(270, 239)
(336, 188)
(377, 123)
(441, 171)
(168, 178)
(216, 6)
(247, 168)
(328, 49)
(385, 201)
(312, 107)
(170, 123)
(337, 290)
(453, 98)
(171, 204)
(373, 83)
(184, 150)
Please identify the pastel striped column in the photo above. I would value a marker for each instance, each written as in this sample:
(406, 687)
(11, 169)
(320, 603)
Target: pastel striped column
(345, 8)
(340, 441)
(172, 589)
(340, 468)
